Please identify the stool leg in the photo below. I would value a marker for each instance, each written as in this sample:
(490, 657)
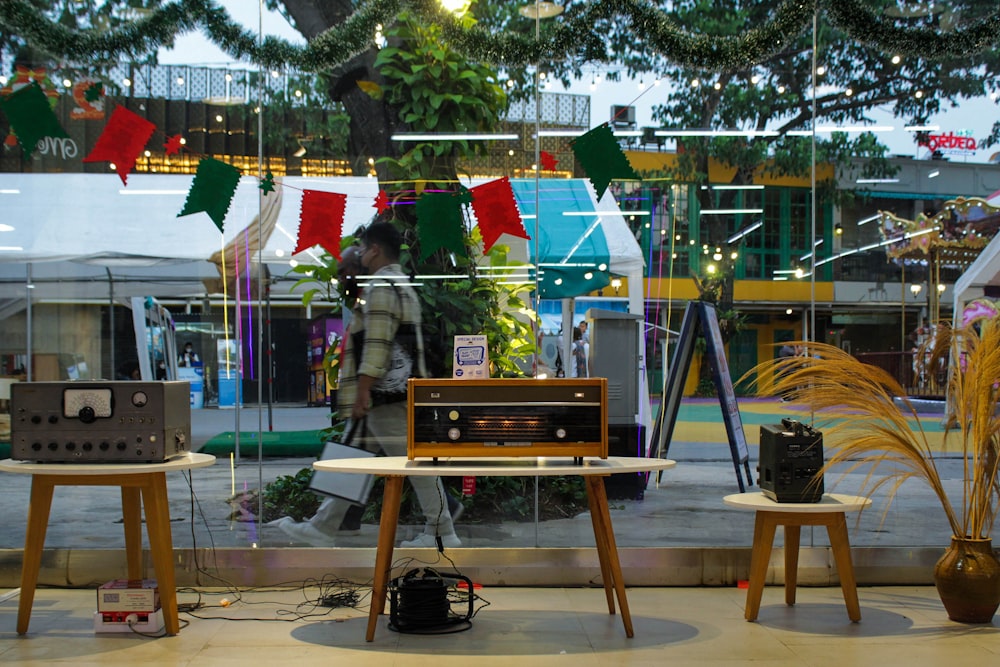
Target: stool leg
(760, 555)
(391, 496)
(600, 538)
(132, 521)
(34, 540)
(792, 537)
(154, 500)
(845, 568)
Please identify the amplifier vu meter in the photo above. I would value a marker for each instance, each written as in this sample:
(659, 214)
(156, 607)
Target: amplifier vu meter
(89, 422)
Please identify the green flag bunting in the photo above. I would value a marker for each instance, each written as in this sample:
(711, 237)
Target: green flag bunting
(212, 190)
(602, 158)
(439, 223)
(31, 117)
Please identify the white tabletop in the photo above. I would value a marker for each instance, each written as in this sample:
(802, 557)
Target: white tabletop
(492, 467)
(830, 502)
(180, 462)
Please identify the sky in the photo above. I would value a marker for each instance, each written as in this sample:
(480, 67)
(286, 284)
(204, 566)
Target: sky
(976, 116)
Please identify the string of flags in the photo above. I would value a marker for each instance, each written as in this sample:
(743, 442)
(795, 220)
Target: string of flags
(321, 216)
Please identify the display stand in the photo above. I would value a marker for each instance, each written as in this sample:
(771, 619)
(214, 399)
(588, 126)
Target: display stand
(701, 315)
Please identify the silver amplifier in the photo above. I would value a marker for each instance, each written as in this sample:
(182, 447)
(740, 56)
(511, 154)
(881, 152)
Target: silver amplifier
(94, 421)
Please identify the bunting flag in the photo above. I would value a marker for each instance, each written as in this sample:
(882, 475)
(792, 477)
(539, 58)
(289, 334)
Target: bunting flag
(548, 160)
(496, 210)
(122, 140)
(173, 144)
(381, 201)
(321, 217)
(439, 224)
(31, 118)
(602, 158)
(212, 190)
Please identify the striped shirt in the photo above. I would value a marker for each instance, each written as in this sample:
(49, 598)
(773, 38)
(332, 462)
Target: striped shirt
(387, 303)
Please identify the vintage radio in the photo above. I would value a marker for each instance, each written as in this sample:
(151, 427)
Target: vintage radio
(90, 422)
(507, 417)
(791, 456)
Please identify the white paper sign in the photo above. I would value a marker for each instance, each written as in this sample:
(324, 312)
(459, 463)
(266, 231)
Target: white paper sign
(471, 361)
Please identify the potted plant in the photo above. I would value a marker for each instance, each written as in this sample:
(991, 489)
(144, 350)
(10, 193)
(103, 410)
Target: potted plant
(872, 426)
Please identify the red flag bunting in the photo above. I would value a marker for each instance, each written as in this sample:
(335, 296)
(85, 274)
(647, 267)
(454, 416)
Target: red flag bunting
(549, 161)
(320, 220)
(381, 201)
(122, 141)
(496, 210)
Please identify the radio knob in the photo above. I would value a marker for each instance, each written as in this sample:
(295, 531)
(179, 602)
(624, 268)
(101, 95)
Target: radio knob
(87, 415)
(104, 446)
(70, 446)
(87, 446)
(36, 446)
(53, 446)
(454, 433)
(120, 445)
(53, 419)
(453, 415)
(560, 433)
(36, 419)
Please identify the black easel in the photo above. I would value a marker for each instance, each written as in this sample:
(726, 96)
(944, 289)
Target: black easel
(701, 314)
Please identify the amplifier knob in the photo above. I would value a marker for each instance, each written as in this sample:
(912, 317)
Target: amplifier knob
(120, 445)
(104, 446)
(560, 433)
(87, 446)
(36, 419)
(53, 446)
(53, 419)
(36, 446)
(70, 446)
(454, 433)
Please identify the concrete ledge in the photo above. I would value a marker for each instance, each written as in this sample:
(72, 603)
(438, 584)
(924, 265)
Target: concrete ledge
(720, 566)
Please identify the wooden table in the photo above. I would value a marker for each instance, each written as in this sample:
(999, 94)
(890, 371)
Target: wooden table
(829, 512)
(396, 468)
(143, 486)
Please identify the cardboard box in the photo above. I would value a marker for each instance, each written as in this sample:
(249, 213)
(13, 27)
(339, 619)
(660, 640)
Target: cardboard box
(128, 595)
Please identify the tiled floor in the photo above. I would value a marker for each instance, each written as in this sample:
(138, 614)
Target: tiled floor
(533, 626)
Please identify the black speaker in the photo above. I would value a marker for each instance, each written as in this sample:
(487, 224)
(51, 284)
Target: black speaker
(791, 456)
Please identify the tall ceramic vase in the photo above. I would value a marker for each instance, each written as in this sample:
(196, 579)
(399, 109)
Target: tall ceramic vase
(968, 580)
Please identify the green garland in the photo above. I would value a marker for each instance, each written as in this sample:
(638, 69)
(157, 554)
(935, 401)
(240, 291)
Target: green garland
(580, 34)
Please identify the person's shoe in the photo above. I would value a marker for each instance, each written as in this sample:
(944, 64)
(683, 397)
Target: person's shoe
(455, 507)
(305, 532)
(425, 541)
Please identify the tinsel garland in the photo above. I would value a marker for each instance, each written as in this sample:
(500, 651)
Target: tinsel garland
(870, 27)
(580, 34)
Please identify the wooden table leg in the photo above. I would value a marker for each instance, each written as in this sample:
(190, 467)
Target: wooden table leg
(792, 536)
(34, 539)
(132, 521)
(837, 529)
(391, 497)
(154, 499)
(595, 486)
(600, 533)
(760, 556)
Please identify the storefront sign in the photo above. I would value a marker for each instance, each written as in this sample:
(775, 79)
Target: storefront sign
(952, 143)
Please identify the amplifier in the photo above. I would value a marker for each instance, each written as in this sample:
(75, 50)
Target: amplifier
(99, 422)
(507, 417)
(791, 456)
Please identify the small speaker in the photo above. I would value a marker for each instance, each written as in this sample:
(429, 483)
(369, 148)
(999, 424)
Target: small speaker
(791, 457)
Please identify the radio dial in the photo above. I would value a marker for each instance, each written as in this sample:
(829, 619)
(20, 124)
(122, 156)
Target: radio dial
(561, 433)
(454, 433)
(87, 414)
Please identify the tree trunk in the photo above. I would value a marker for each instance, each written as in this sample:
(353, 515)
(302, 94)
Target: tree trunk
(372, 121)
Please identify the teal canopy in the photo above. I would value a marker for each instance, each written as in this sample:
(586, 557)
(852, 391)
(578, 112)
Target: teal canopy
(571, 251)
